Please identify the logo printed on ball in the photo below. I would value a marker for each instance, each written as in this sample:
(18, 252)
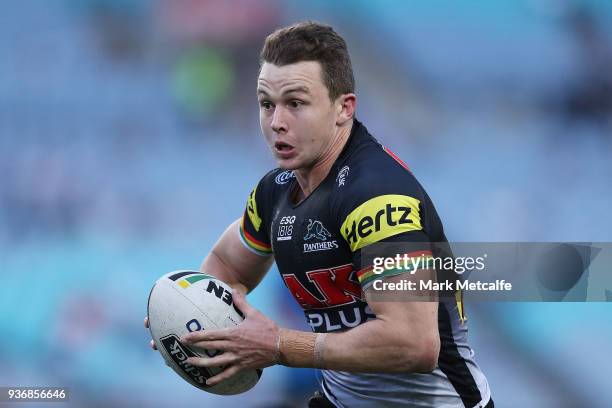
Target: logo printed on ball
(180, 354)
(192, 277)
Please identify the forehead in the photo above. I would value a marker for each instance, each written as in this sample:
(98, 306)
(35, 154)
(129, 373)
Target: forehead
(306, 74)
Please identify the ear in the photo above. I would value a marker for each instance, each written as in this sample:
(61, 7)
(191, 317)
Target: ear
(346, 104)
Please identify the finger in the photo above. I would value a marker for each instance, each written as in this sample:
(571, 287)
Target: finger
(223, 375)
(241, 303)
(152, 344)
(206, 335)
(219, 361)
(146, 322)
(239, 289)
(222, 345)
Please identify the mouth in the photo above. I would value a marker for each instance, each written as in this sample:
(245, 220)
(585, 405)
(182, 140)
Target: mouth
(284, 151)
(283, 147)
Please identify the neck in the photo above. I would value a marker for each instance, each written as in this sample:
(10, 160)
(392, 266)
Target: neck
(311, 177)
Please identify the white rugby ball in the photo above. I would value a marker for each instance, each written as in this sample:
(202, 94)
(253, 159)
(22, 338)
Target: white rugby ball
(185, 301)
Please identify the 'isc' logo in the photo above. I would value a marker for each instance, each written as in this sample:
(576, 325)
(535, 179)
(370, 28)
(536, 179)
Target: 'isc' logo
(379, 218)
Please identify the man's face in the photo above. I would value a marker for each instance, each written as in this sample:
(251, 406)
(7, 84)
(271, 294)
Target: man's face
(296, 116)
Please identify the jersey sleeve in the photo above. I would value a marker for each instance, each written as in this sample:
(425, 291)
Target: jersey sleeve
(255, 224)
(385, 206)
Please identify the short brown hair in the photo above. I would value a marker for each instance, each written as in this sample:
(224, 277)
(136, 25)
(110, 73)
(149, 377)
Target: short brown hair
(311, 41)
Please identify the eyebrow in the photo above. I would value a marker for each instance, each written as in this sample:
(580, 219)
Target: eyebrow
(298, 89)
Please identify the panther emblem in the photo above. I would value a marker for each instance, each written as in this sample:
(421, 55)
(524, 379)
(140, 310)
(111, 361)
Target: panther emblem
(316, 230)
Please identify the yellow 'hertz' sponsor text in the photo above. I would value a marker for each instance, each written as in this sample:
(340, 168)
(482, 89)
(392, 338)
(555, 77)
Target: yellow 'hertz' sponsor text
(252, 210)
(379, 218)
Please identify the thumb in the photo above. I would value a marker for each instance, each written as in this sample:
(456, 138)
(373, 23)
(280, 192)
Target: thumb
(241, 303)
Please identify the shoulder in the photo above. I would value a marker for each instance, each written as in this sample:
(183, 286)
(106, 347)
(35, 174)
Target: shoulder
(273, 182)
(259, 209)
(264, 195)
(376, 196)
(370, 171)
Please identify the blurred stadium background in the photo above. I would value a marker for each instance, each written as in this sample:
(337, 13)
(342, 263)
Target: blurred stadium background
(129, 139)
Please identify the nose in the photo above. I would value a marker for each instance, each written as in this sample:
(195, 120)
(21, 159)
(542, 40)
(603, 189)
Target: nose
(279, 123)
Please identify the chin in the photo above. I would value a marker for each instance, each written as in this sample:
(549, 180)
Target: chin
(288, 164)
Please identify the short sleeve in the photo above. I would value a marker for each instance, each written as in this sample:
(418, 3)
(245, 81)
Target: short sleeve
(387, 206)
(255, 224)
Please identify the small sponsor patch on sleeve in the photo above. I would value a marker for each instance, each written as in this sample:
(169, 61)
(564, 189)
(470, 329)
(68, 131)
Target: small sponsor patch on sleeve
(252, 210)
(379, 218)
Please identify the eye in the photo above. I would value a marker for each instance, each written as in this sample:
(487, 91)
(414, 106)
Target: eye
(295, 103)
(266, 105)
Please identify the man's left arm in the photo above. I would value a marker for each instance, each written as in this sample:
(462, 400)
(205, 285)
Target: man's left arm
(403, 337)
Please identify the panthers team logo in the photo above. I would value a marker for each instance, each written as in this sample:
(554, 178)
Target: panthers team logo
(315, 231)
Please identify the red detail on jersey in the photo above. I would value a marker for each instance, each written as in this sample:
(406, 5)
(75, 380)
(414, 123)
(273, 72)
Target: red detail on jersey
(334, 286)
(300, 293)
(250, 237)
(397, 159)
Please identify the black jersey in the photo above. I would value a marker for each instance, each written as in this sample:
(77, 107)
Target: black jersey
(369, 196)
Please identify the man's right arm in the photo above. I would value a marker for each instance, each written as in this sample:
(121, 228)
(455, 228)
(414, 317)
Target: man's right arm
(231, 262)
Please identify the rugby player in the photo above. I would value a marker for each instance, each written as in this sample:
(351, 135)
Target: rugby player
(336, 191)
